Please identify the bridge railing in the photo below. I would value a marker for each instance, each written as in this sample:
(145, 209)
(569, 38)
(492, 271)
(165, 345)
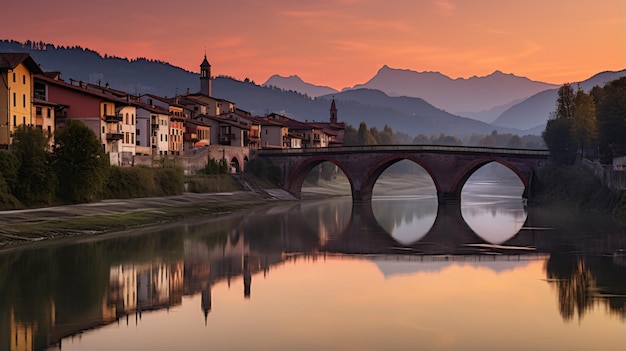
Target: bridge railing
(404, 148)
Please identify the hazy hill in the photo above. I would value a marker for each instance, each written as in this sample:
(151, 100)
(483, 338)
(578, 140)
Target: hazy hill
(137, 75)
(296, 83)
(408, 115)
(454, 95)
(535, 111)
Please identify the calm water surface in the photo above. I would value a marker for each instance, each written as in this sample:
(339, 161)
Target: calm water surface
(398, 274)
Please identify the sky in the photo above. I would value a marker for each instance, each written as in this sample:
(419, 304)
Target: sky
(340, 43)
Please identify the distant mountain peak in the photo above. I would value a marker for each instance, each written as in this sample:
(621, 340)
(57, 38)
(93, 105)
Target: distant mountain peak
(295, 83)
(474, 94)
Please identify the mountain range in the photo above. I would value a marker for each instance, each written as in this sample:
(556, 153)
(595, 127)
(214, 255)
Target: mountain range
(392, 97)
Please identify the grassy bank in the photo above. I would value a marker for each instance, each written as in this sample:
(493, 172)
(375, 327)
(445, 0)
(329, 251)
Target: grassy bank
(577, 188)
(83, 220)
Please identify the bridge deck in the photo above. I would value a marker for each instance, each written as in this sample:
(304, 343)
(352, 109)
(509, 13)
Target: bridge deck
(406, 148)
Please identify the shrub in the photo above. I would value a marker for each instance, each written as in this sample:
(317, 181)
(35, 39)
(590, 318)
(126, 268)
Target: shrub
(264, 170)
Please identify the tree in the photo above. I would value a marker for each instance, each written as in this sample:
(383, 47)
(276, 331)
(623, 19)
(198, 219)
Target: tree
(584, 121)
(350, 136)
(36, 180)
(558, 132)
(81, 163)
(386, 136)
(611, 119)
(364, 137)
(558, 138)
(565, 102)
(515, 142)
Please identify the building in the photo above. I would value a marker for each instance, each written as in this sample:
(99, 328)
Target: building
(102, 111)
(152, 129)
(16, 94)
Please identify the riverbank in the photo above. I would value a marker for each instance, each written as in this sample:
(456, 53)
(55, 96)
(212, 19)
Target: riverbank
(22, 227)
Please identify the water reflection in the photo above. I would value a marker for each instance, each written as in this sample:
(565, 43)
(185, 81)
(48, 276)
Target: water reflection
(495, 212)
(406, 218)
(273, 259)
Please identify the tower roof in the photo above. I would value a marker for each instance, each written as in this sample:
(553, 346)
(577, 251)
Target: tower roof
(205, 63)
(332, 106)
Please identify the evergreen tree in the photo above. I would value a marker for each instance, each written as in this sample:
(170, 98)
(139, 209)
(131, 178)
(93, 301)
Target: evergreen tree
(36, 180)
(364, 137)
(350, 136)
(584, 121)
(558, 133)
(81, 163)
(611, 119)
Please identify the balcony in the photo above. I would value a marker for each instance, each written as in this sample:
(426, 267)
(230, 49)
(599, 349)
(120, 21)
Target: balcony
(154, 126)
(112, 118)
(115, 136)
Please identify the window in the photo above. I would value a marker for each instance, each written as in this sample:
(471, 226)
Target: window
(24, 79)
(103, 130)
(132, 119)
(48, 113)
(23, 120)
(38, 111)
(138, 131)
(49, 130)
(24, 100)
(127, 118)
(132, 138)
(14, 99)
(14, 121)
(13, 77)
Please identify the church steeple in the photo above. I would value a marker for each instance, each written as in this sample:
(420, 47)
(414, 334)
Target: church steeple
(205, 77)
(333, 112)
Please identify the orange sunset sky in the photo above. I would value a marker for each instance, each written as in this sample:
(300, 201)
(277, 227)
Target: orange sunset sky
(340, 43)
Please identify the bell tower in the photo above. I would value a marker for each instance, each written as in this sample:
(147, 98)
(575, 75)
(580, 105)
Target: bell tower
(205, 77)
(333, 112)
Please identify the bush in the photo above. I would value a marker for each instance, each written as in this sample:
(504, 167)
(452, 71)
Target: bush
(264, 170)
(212, 184)
(142, 181)
(7, 200)
(216, 167)
(170, 180)
(9, 167)
(574, 187)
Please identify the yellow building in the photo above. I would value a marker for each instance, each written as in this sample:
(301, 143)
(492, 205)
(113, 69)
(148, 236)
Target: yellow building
(16, 93)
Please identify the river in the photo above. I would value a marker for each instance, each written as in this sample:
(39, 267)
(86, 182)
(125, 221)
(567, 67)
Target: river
(397, 274)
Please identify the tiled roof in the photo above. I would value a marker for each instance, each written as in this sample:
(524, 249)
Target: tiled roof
(11, 60)
(80, 89)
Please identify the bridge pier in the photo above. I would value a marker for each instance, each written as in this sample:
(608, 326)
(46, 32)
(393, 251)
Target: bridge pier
(449, 198)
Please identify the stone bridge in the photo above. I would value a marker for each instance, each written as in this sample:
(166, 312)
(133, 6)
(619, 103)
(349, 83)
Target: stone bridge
(448, 166)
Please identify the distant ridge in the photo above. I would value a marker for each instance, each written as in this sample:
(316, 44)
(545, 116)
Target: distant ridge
(409, 115)
(455, 95)
(533, 113)
(295, 83)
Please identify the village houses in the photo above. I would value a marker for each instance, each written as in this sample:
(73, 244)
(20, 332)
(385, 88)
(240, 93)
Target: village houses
(130, 127)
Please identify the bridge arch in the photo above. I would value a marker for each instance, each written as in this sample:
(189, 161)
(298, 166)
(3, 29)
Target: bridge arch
(298, 175)
(448, 166)
(472, 167)
(377, 169)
